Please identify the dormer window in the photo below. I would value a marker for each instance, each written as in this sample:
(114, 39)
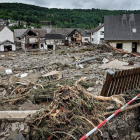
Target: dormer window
(134, 30)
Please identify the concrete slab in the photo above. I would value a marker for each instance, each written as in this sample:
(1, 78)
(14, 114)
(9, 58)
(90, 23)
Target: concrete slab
(16, 115)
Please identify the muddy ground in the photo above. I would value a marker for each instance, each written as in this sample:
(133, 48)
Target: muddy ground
(25, 87)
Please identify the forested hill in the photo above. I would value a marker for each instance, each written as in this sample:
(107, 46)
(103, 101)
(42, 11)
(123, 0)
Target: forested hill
(64, 18)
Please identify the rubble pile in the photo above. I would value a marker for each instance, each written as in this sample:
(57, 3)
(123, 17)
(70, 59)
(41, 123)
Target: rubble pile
(74, 112)
(45, 83)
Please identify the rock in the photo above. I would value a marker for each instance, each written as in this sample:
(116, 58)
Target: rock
(2, 89)
(27, 128)
(101, 82)
(19, 137)
(30, 71)
(133, 136)
(90, 89)
(2, 138)
(21, 126)
(126, 55)
(106, 135)
(14, 126)
(4, 93)
(97, 82)
(127, 137)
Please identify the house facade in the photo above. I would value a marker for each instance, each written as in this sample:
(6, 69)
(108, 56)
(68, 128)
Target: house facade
(72, 35)
(29, 38)
(2, 22)
(6, 39)
(79, 36)
(123, 32)
(26, 39)
(53, 40)
(97, 34)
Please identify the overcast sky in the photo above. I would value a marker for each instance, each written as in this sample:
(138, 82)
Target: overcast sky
(84, 4)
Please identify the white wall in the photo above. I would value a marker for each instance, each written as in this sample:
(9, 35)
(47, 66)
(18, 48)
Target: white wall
(33, 40)
(13, 47)
(44, 46)
(50, 42)
(96, 36)
(2, 48)
(69, 39)
(83, 39)
(127, 46)
(6, 34)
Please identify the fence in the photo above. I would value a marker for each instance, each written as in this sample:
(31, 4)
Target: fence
(121, 81)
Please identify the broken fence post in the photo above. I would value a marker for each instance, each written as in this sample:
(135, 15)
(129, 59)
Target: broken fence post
(106, 85)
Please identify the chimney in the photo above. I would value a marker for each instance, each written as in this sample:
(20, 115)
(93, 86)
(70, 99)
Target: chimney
(99, 24)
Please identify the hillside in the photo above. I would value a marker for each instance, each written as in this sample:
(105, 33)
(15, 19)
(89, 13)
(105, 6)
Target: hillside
(64, 18)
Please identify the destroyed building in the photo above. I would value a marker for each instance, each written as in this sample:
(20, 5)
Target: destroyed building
(29, 39)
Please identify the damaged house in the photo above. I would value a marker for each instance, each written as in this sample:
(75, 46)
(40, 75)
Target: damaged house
(123, 32)
(79, 36)
(41, 33)
(73, 36)
(6, 39)
(52, 40)
(29, 39)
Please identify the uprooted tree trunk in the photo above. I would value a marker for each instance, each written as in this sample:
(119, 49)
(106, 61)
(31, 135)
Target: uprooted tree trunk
(117, 98)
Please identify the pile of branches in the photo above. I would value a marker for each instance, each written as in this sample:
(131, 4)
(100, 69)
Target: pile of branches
(73, 113)
(106, 48)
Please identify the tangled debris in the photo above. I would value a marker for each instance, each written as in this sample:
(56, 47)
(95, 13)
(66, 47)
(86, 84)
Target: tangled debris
(73, 112)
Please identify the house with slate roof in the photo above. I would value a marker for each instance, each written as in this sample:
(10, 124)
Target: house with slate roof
(73, 35)
(123, 31)
(97, 34)
(52, 40)
(6, 39)
(79, 36)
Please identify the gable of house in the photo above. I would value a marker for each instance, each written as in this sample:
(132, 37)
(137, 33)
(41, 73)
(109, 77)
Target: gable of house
(40, 32)
(19, 32)
(97, 28)
(28, 33)
(6, 34)
(97, 34)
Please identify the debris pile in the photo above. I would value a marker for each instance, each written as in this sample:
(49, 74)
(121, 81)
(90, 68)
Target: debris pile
(73, 113)
(28, 83)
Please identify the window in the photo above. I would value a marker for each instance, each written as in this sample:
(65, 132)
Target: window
(101, 40)
(101, 32)
(119, 45)
(86, 39)
(134, 30)
(92, 39)
(42, 45)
